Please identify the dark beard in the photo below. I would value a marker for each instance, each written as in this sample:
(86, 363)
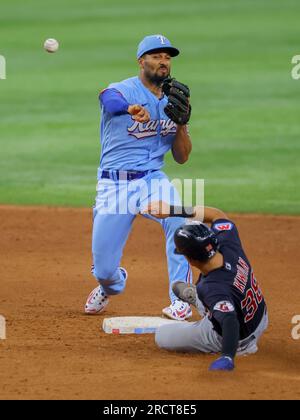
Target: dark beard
(155, 79)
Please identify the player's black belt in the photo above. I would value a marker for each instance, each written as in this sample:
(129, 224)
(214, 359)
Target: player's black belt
(124, 175)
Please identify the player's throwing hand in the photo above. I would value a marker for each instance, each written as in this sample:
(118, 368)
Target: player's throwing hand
(139, 113)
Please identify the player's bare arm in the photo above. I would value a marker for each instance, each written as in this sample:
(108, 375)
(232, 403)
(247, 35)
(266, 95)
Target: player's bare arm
(182, 145)
(209, 215)
(162, 210)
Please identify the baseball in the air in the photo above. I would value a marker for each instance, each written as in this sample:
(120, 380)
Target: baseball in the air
(51, 45)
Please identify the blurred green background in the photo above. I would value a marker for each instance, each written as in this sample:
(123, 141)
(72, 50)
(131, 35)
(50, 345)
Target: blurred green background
(235, 56)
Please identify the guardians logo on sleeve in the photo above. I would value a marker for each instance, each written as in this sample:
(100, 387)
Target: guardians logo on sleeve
(223, 226)
(224, 306)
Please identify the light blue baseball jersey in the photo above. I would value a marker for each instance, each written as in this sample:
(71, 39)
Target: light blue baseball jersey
(130, 145)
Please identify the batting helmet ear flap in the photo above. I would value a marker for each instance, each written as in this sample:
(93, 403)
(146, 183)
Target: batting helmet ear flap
(196, 241)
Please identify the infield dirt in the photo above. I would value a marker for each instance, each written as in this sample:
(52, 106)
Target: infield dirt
(54, 351)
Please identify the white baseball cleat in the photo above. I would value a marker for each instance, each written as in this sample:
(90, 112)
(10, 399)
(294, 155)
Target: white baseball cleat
(178, 310)
(96, 302)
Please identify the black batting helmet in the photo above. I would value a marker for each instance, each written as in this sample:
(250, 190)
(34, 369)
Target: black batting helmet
(196, 241)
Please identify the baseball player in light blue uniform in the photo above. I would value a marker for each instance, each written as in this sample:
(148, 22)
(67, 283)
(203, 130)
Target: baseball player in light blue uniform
(136, 133)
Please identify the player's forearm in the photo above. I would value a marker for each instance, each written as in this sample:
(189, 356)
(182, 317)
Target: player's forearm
(230, 336)
(182, 145)
(230, 340)
(204, 214)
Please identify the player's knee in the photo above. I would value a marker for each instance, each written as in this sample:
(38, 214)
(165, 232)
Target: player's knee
(159, 339)
(162, 337)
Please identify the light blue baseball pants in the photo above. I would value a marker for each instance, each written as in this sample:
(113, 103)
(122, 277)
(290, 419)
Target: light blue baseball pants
(117, 204)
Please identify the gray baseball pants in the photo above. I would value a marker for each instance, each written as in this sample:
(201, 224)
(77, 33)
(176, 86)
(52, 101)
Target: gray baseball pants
(201, 337)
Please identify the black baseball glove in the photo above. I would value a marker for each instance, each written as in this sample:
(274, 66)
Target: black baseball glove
(178, 108)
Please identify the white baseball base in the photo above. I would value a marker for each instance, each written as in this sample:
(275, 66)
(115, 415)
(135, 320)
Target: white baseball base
(134, 324)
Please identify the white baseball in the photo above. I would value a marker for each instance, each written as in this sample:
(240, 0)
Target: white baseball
(51, 45)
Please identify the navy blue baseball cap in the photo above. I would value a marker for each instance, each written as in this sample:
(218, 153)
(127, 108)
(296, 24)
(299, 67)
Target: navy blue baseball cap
(156, 42)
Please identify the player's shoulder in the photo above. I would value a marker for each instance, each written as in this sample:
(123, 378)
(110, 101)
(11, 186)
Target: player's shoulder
(125, 87)
(129, 83)
(227, 232)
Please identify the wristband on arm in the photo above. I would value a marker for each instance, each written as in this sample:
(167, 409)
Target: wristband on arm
(182, 211)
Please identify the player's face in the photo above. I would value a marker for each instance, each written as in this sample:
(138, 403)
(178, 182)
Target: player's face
(156, 66)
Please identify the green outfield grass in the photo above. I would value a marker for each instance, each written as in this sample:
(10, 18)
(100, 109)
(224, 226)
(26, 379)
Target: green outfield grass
(236, 58)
